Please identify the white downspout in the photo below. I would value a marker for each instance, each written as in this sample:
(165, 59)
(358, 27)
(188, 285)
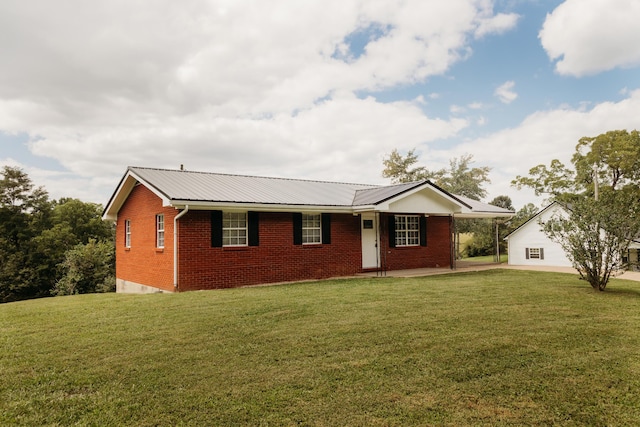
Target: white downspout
(175, 246)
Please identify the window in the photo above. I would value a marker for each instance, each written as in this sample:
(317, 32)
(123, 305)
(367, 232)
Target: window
(160, 231)
(407, 230)
(234, 229)
(534, 253)
(311, 229)
(127, 233)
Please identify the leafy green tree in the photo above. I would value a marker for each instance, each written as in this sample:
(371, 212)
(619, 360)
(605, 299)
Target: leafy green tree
(602, 198)
(464, 180)
(595, 233)
(400, 169)
(35, 234)
(82, 220)
(459, 179)
(503, 202)
(523, 215)
(25, 212)
(88, 268)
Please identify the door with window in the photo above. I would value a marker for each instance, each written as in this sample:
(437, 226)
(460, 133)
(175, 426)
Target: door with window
(370, 238)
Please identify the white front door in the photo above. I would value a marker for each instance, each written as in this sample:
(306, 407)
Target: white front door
(370, 246)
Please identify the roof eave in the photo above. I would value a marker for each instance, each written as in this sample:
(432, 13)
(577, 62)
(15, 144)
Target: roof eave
(126, 185)
(260, 207)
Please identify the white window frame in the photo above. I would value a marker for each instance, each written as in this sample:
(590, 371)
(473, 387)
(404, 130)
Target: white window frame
(311, 229)
(534, 253)
(407, 230)
(235, 229)
(127, 233)
(160, 231)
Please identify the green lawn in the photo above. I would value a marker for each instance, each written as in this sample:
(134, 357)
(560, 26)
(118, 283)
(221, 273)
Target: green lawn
(498, 347)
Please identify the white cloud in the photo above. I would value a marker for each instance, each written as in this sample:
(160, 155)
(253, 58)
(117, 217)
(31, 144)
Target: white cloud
(497, 24)
(591, 36)
(541, 137)
(253, 86)
(324, 142)
(505, 92)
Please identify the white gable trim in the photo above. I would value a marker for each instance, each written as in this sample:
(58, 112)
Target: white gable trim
(386, 206)
(127, 184)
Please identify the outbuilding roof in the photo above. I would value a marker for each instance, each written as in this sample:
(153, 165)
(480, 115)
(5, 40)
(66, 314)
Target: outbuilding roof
(205, 190)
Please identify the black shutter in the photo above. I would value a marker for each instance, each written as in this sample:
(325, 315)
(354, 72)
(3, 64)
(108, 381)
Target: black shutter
(297, 228)
(392, 231)
(423, 230)
(326, 228)
(254, 228)
(541, 253)
(216, 229)
(526, 253)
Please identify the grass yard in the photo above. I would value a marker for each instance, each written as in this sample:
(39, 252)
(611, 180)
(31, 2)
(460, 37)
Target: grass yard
(499, 347)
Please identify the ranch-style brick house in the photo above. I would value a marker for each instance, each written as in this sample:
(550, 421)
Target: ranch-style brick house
(180, 230)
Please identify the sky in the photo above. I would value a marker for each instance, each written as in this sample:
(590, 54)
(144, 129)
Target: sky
(320, 90)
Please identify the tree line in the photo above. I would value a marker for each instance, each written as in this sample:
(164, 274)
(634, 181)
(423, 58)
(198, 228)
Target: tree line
(51, 247)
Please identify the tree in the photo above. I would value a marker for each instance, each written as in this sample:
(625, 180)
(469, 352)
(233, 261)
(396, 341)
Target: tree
(399, 169)
(503, 202)
(465, 181)
(459, 179)
(87, 268)
(595, 233)
(523, 215)
(82, 220)
(25, 212)
(35, 235)
(602, 201)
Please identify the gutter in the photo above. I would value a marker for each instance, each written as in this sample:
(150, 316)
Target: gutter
(175, 245)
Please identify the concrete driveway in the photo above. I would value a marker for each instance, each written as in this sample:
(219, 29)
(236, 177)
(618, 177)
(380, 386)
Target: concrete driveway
(465, 266)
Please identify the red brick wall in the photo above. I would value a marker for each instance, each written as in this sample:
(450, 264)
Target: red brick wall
(143, 263)
(276, 259)
(437, 253)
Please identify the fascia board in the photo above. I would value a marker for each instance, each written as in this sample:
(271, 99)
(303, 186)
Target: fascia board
(371, 208)
(127, 183)
(118, 197)
(259, 207)
(165, 199)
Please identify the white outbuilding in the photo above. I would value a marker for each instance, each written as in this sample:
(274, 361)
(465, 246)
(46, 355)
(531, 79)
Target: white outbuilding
(529, 245)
